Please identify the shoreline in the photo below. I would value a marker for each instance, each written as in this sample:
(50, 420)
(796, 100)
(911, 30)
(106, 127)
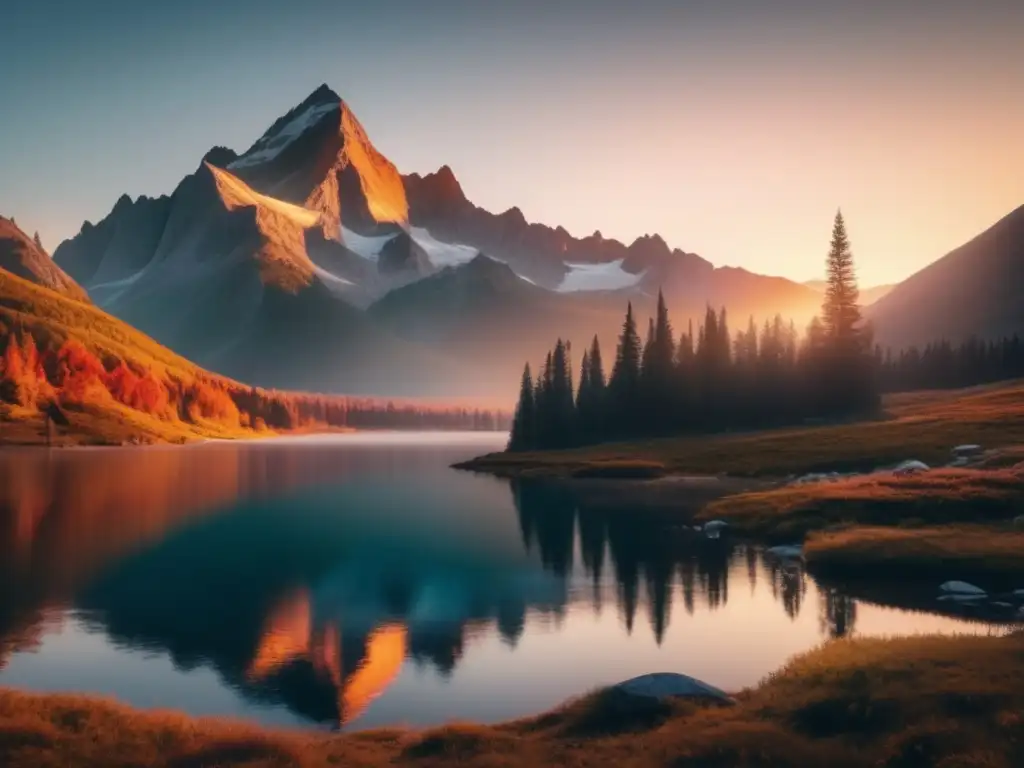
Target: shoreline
(851, 702)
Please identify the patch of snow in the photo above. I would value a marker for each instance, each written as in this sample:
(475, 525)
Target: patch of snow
(332, 279)
(369, 247)
(441, 254)
(609, 276)
(270, 145)
(962, 588)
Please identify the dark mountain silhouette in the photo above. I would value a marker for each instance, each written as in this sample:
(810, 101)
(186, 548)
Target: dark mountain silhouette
(22, 256)
(975, 290)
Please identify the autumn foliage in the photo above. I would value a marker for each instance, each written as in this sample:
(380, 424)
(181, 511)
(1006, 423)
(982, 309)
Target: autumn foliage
(68, 373)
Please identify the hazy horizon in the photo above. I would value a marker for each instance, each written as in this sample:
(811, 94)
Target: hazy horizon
(732, 130)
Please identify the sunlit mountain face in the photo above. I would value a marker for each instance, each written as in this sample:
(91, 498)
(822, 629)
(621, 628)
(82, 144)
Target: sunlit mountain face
(246, 263)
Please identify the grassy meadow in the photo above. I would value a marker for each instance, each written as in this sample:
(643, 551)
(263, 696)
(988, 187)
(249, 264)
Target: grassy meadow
(923, 701)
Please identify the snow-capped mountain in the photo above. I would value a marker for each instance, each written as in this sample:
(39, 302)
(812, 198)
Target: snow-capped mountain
(308, 261)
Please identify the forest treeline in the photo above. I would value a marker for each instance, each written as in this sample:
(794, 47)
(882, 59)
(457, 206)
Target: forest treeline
(67, 373)
(942, 365)
(709, 379)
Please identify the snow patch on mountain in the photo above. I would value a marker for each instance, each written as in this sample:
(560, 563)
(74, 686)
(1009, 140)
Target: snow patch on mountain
(270, 145)
(367, 246)
(442, 254)
(609, 276)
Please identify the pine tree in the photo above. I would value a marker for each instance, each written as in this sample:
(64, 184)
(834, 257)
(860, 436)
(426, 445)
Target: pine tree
(523, 437)
(846, 366)
(624, 385)
(562, 408)
(597, 382)
(542, 405)
(38, 242)
(591, 416)
(840, 313)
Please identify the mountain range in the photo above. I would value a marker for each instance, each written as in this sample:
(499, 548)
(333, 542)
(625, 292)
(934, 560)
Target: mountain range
(309, 262)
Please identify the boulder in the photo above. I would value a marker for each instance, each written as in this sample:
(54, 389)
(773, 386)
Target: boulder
(967, 450)
(1018, 593)
(786, 551)
(958, 598)
(669, 685)
(962, 588)
(1018, 522)
(811, 477)
(911, 467)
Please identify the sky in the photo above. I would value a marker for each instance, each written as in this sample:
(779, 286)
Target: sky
(734, 129)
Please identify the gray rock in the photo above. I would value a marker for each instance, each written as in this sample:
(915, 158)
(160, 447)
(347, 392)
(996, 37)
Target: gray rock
(786, 551)
(667, 685)
(966, 450)
(962, 588)
(961, 598)
(911, 467)
(1018, 522)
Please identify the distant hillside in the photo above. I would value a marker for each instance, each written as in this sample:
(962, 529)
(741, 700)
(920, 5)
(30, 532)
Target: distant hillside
(976, 290)
(114, 384)
(21, 256)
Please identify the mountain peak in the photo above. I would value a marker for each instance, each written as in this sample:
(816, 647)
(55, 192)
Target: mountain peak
(19, 255)
(322, 95)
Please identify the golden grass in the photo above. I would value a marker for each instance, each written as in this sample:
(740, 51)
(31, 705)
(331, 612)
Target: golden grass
(923, 426)
(901, 702)
(936, 497)
(966, 551)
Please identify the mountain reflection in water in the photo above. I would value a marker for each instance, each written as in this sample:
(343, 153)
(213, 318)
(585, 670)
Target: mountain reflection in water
(322, 575)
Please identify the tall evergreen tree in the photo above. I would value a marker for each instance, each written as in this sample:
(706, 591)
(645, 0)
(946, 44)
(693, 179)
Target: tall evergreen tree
(840, 313)
(591, 407)
(38, 242)
(562, 408)
(846, 369)
(523, 437)
(597, 381)
(624, 385)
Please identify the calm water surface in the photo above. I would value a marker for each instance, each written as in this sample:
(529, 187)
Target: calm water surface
(355, 580)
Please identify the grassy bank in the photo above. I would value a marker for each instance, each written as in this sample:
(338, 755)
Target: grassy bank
(110, 424)
(940, 525)
(933, 498)
(921, 426)
(981, 554)
(900, 702)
